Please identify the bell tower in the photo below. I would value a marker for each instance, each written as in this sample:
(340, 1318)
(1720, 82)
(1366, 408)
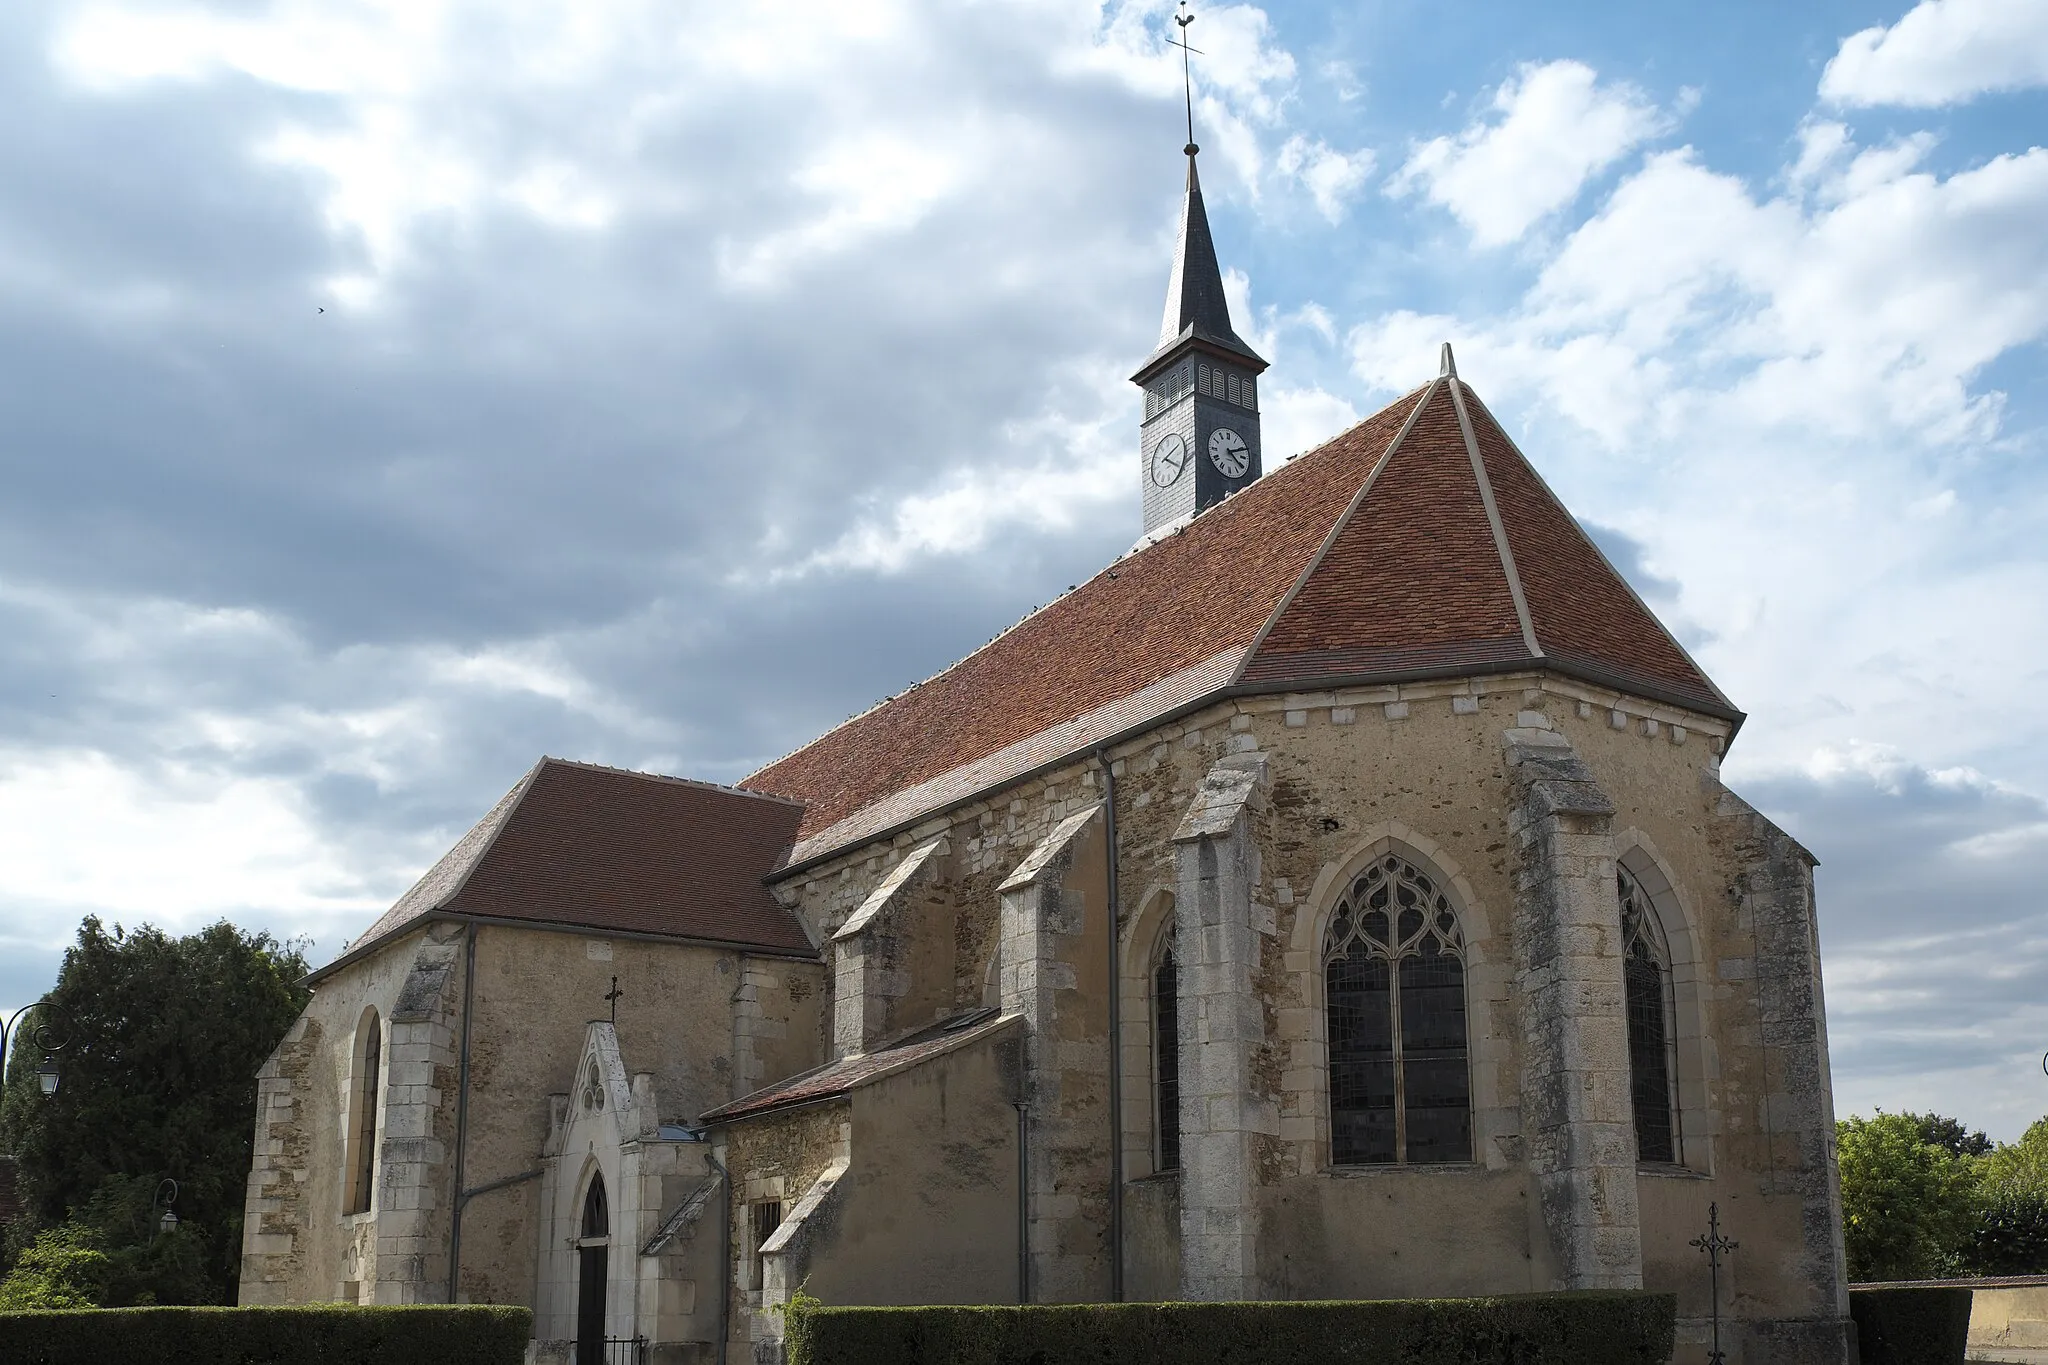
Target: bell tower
(1199, 440)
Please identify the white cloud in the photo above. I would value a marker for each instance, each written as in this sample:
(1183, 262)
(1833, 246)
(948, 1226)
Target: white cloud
(1293, 420)
(178, 844)
(1781, 395)
(1557, 127)
(1942, 52)
(1331, 177)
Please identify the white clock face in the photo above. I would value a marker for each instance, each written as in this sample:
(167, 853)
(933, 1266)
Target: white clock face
(1169, 458)
(1227, 451)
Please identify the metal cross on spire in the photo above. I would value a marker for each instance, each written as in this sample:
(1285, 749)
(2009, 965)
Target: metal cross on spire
(1187, 79)
(613, 996)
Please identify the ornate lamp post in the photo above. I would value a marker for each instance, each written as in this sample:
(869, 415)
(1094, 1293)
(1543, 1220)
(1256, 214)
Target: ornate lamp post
(50, 1039)
(166, 1195)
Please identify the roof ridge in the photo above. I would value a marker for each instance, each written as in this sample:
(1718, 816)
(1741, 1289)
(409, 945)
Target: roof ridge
(1343, 519)
(1486, 500)
(1544, 484)
(669, 778)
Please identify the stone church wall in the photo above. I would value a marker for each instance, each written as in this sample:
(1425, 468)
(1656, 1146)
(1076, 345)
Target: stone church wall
(1425, 769)
(698, 1018)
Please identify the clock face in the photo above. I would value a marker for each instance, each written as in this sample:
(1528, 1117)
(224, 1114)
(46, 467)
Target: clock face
(1228, 452)
(1169, 458)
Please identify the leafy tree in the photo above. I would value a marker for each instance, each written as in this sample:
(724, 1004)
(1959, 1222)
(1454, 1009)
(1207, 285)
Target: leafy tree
(1937, 1130)
(158, 1080)
(1908, 1206)
(2012, 1239)
(2023, 1163)
(62, 1268)
(2012, 1236)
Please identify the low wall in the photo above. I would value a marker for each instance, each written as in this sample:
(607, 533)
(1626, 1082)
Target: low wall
(2006, 1313)
(2010, 1314)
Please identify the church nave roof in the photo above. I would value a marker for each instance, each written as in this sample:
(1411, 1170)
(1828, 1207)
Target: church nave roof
(1420, 543)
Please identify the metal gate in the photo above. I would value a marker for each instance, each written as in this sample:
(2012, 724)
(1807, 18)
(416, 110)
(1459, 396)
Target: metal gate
(617, 1351)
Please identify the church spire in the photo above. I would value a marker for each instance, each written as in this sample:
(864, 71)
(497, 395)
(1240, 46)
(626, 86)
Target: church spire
(1195, 303)
(1199, 441)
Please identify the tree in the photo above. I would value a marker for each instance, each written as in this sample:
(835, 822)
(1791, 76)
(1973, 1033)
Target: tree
(2012, 1239)
(62, 1268)
(165, 1036)
(1937, 1130)
(1909, 1207)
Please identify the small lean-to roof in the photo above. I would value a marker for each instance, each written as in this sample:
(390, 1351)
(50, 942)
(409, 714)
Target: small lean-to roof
(848, 1074)
(1420, 543)
(589, 847)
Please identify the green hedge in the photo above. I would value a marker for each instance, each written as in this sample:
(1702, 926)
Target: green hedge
(1591, 1328)
(320, 1334)
(1911, 1326)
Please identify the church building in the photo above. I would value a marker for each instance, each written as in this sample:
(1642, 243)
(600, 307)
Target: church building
(1334, 897)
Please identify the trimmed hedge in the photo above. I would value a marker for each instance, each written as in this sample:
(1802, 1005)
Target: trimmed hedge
(318, 1334)
(1585, 1328)
(1911, 1326)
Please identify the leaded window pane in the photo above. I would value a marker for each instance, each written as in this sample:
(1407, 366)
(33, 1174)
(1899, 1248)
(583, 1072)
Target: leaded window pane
(1394, 981)
(1646, 977)
(1166, 1055)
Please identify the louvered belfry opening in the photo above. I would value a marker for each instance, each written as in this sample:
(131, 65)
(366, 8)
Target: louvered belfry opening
(1646, 973)
(1394, 982)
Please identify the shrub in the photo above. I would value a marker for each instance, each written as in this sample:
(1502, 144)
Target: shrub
(322, 1334)
(1911, 1326)
(1587, 1328)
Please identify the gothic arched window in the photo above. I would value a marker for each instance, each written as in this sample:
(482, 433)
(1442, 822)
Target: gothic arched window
(597, 1220)
(1166, 1056)
(1646, 973)
(1394, 996)
(362, 1166)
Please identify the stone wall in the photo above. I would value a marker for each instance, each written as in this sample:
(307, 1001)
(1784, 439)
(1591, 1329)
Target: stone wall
(1429, 769)
(707, 1020)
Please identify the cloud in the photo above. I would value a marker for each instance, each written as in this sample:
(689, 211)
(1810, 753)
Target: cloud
(1332, 178)
(1557, 127)
(1942, 52)
(1934, 931)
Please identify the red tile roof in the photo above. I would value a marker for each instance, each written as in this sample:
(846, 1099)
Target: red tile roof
(1170, 607)
(600, 848)
(1375, 557)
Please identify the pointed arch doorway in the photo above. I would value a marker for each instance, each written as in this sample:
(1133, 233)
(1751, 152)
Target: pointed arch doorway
(593, 1250)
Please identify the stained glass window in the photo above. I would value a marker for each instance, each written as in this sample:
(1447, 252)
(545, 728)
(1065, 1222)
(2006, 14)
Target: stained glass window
(1394, 992)
(1646, 973)
(1166, 1059)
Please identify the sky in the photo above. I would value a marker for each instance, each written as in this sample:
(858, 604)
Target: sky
(393, 391)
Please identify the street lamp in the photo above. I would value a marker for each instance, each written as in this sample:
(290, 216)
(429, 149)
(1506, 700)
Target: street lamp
(167, 1224)
(49, 1039)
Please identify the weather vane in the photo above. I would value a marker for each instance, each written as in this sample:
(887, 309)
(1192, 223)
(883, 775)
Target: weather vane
(1187, 79)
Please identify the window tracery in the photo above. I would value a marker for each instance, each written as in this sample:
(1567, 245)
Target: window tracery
(1646, 973)
(1394, 996)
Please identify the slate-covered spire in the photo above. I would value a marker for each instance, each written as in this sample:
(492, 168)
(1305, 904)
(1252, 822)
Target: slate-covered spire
(1195, 305)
